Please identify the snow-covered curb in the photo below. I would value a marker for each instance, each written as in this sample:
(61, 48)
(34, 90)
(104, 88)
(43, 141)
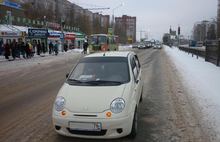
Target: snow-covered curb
(202, 79)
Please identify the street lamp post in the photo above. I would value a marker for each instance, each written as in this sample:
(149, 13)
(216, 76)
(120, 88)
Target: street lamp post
(45, 22)
(62, 34)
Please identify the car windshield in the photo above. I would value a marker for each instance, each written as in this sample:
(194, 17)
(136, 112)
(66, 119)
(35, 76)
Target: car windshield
(98, 39)
(104, 71)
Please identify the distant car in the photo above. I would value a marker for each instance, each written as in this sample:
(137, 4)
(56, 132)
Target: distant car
(141, 45)
(135, 45)
(147, 44)
(158, 46)
(199, 44)
(100, 97)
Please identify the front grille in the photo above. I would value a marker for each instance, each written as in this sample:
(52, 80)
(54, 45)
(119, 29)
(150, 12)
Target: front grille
(88, 133)
(83, 115)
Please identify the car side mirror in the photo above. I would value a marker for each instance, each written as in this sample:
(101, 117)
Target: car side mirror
(67, 75)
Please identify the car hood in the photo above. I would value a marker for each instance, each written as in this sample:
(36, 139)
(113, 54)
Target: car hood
(90, 99)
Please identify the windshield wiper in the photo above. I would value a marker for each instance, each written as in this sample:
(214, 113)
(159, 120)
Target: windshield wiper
(104, 82)
(75, 82)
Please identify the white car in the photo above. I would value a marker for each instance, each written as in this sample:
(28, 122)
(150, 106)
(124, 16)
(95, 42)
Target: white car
(100, 97)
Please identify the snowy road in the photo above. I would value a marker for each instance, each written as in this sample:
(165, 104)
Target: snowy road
(27, 93)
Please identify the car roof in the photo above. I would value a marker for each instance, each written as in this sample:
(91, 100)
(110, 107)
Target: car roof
(111, 54)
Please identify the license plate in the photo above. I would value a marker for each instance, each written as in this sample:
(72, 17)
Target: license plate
(85, 126)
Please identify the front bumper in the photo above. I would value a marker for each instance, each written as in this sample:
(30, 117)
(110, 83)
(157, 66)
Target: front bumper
(111, 128)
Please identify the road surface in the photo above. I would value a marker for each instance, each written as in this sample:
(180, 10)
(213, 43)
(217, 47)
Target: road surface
(27, 94)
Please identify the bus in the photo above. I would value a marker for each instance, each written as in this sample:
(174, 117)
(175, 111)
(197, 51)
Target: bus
(103, 42)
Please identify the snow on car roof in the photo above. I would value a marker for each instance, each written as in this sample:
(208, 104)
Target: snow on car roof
(111, 54)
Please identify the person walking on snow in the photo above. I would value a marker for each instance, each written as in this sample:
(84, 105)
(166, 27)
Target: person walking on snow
(85, 46)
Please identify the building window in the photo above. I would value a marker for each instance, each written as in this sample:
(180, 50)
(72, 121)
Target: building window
(18, 19)
(24, 20)
(12, 18)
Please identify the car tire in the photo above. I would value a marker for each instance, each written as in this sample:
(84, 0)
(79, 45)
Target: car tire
(141, 98)
(134, 128)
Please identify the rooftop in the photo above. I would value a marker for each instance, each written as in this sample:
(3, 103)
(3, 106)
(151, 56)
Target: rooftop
(111, 54)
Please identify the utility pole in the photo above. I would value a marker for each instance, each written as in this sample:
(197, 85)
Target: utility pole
(218, 33)
(178, 35)
(113, 17)
(141, 31)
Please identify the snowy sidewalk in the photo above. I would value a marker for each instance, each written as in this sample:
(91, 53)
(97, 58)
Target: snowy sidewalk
(2, 58)
(6, 65)
(202, 79)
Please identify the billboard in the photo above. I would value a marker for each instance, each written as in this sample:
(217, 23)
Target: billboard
(10, 4)
(38, 33)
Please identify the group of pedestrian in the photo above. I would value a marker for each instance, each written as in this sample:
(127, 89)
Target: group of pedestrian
(26, 49)
(16, 49)
(39, 47)
(53, 48)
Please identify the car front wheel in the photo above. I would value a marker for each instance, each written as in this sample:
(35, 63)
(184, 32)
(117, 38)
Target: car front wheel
(134, 125)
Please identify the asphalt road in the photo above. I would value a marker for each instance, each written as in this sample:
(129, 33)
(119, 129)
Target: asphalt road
(165, 115)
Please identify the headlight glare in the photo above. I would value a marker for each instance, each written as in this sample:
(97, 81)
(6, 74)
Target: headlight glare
(59, 103)
(117, 105)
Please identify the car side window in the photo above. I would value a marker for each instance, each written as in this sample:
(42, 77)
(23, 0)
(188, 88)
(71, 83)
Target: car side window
(135, 69)
(137, 63)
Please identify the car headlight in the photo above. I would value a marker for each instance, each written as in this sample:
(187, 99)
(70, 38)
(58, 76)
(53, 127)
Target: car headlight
(59, 103)
(117, 105)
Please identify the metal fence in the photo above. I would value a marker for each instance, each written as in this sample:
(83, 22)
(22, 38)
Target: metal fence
(213, 51)
(194, 51)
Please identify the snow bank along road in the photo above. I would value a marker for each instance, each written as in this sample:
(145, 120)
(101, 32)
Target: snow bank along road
(203, 82)
(27, 93)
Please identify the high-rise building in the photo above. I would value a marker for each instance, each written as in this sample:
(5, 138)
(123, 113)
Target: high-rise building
(125, 27)
(205, 30)
(55, 11)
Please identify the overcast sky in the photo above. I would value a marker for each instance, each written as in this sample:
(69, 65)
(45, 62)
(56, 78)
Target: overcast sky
(156, 16)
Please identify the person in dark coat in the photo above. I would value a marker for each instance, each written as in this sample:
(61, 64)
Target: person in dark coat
(56, 48)
(65, 47)
(7, 50)
(1, 46)
(23, 50)
(43, 47)
(85, 46)
(50, 47)
(13, 49)
(38, 48)
(27, 50)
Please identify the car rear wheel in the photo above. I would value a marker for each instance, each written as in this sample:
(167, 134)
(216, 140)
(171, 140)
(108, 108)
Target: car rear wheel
(134, 125)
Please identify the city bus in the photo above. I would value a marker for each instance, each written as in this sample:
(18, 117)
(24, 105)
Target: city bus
(103, 42)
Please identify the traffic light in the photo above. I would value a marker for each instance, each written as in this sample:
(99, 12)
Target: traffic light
(179, 30)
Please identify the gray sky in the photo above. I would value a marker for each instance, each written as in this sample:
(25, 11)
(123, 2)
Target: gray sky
(156, 16)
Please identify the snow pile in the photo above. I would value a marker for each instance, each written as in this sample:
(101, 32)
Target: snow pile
(202, 79)
(77, 50)
(20, 64)
(124, 47)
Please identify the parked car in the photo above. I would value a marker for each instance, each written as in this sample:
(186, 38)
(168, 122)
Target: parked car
(100, 97)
